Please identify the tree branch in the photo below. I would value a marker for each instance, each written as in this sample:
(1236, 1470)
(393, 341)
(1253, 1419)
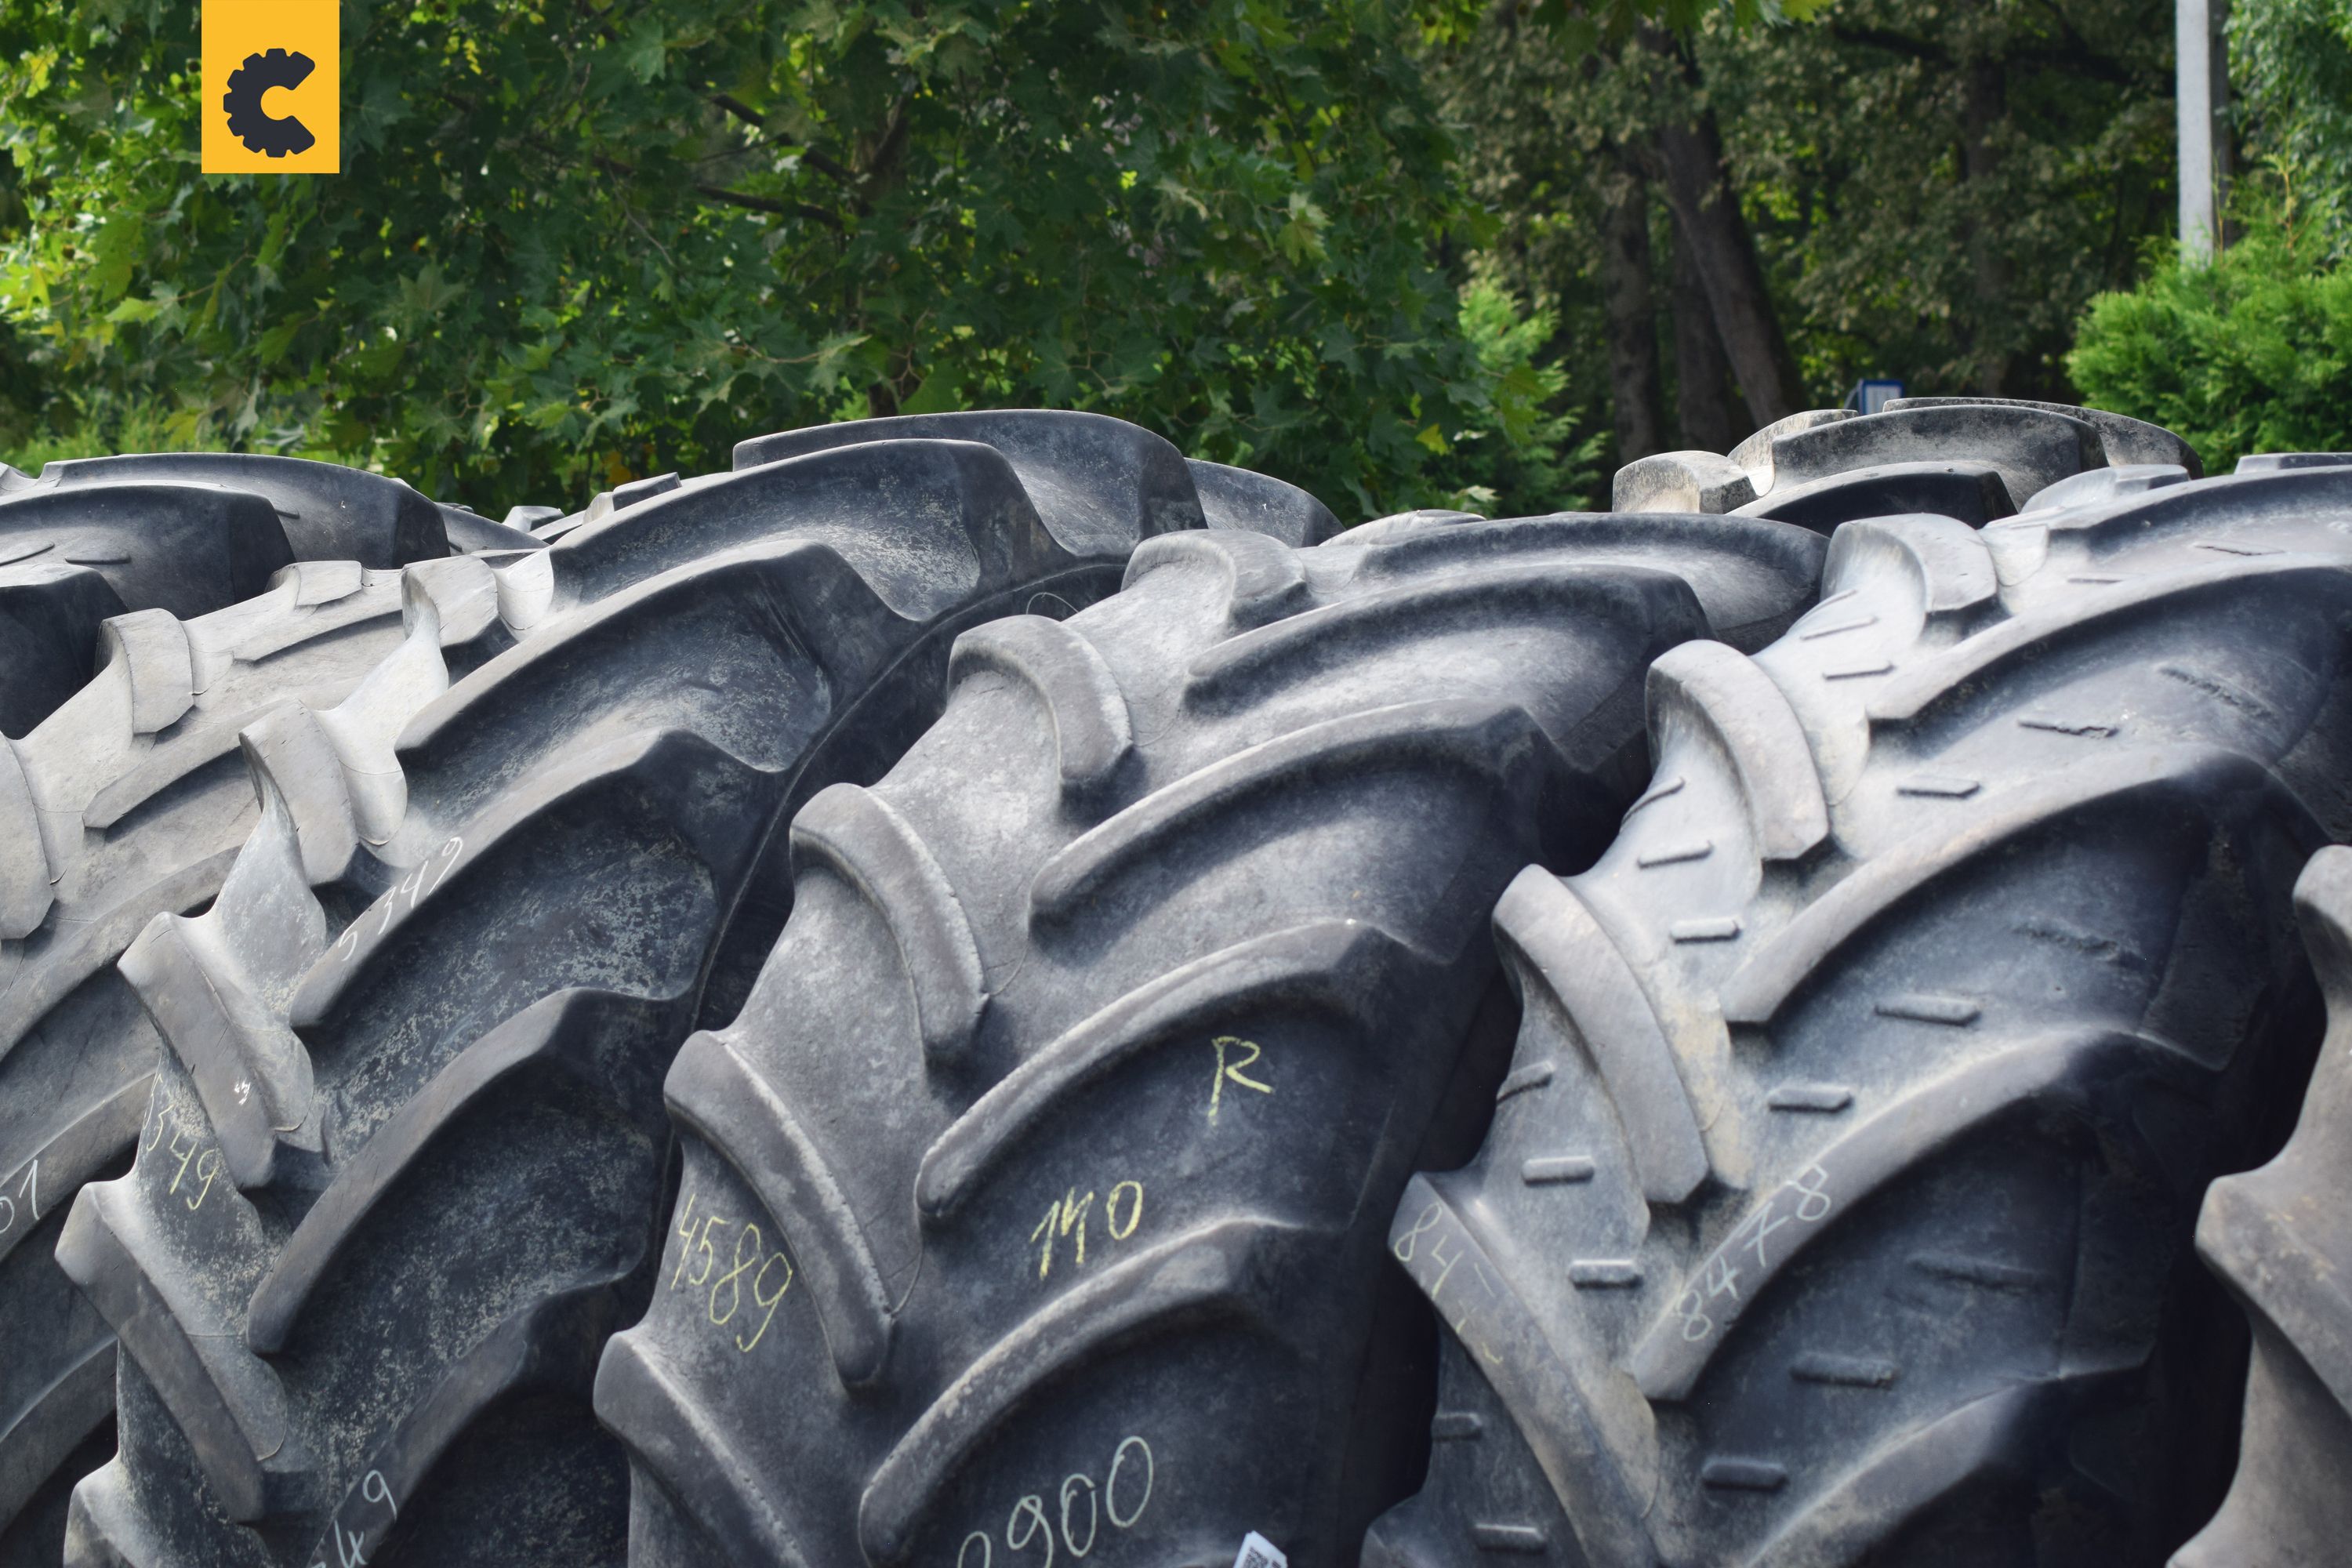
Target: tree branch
(2074, 55)
(720, 194)
(2078, 47)
(1892, 42)
(739, 109)
(2075, 58)
(830, 168)
(894, 142)
(745, 199)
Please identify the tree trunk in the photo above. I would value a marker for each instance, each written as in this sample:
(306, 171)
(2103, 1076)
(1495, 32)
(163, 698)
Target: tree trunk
(1702, 405)
(1634, 379)
(1984, 104)
(1709, 223)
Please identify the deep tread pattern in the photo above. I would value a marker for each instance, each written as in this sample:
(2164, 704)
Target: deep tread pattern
(1960, 1054)
(1237, 499)
(2125, 440)
(327, 512)
(1223, 987)
(1975, 459)
(1103, 483)
(853, 833)
(1974, 493)
(180, 547)
(2280, 1240)
(125, 800)
(417, 1040)
(1092, 737)
(50, 618)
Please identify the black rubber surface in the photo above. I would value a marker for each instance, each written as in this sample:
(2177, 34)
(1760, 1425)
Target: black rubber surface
(1034, 1203)
(1973, 459)
(149, 608)
(1838, 1204)
(403, 1169)
(2281, 1238)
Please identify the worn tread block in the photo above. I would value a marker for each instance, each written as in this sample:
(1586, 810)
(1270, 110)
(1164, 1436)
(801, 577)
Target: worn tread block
(328, 512)
(1961, 1069)
(154, 609)
(181, 547)
(1103, 485)
(2123, 438)
(1218, 997)
(417, 1039)
(1971, 457)
(1238, 498)
(2279, 1239)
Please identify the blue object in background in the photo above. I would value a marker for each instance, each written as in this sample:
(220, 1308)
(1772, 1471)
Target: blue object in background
(1871, 396)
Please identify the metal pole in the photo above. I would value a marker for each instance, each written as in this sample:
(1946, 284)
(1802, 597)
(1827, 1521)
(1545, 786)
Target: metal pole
(2193, 94)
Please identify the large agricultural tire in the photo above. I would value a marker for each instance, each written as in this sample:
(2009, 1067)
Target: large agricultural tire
(1976, 459)
(1838, 1205)
(149, 608)
(1036, 1195)
(2281, 1237)
(405, 1166)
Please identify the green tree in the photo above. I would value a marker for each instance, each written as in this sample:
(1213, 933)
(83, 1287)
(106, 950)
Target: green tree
(2252, 353)
(1941, 185)
(2291, 64)
(577, 242)
(1930, 189)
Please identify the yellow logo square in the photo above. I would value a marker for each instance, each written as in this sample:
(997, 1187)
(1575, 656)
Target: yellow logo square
(273, 82)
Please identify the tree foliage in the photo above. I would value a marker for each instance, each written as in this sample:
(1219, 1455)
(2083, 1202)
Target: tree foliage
(2291, 64)
(575, 242)
(1940, 186)
(2252, 353)
(1935, 189)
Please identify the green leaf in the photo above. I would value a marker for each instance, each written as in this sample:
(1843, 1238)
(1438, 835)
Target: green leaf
(937, 395)
(276, 340)
(422, 298)
(641, 50)
(1301, 238)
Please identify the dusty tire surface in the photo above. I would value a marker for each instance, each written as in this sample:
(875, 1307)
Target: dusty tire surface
(1033, 1202)
(2281, 1238)
(403, 1167)
(1976, 459)
(1838, 1204)
(149, 608)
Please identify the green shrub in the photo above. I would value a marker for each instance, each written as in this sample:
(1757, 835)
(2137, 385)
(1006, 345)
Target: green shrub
(98, 425)
(1515, 453)
(2290, 67)
(2252, 354)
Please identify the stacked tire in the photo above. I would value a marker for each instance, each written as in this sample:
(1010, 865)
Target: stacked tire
(970, 991)
(149, 608)
(411, 1052)
(1867, 1088)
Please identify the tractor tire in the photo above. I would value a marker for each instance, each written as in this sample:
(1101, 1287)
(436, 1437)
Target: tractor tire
(193, 586)
(404, 1168)
(1838, 1205)
(1035, 1199)
(1972, 458)
(2281, 1239)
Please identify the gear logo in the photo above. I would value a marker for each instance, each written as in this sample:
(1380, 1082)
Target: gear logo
(255, 126)
(272, 87)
